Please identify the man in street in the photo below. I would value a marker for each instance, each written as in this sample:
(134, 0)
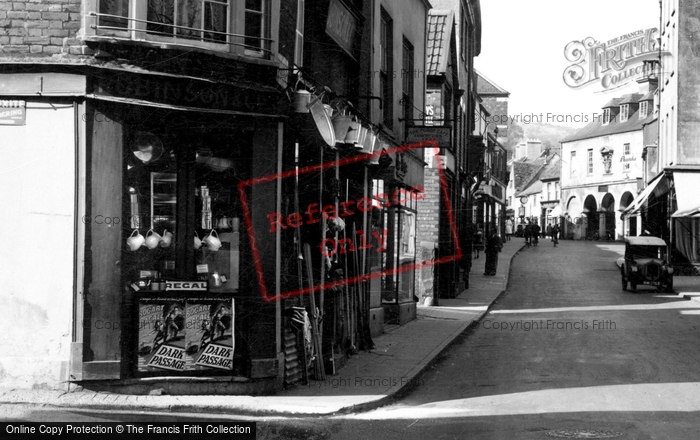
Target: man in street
(493, 246)
(555, 235)
(535, 233)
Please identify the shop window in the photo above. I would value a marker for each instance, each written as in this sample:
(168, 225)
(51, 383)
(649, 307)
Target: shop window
(180, 194)
(238, 26)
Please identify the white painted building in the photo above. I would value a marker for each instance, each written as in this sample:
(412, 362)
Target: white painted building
(602, 168)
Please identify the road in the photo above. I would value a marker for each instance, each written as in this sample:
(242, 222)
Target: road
(564, 353)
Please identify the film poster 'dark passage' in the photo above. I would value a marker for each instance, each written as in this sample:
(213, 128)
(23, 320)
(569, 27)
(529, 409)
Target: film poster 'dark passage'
(185, 334)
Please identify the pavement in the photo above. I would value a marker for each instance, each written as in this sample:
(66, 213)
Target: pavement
(369, 379)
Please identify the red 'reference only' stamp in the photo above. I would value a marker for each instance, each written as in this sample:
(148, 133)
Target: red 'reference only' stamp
(313, 213)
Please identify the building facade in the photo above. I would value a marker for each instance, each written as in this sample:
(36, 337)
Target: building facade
(196, 160)
(602, 167)
(668, 206)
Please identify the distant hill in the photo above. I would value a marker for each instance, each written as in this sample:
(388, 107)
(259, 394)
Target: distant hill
(550, 134)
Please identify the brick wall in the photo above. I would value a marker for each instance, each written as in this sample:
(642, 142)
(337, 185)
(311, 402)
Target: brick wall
(36, 28)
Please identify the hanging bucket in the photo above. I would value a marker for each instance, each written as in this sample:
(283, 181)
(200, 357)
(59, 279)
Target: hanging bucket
(370, 140)
(361, 137)
(341, 125)
(302, 99)
(353, 133)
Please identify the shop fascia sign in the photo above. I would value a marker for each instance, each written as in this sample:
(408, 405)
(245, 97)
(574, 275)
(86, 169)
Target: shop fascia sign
(13, 112)
(441, 135)
(341, 25)
(613, 63)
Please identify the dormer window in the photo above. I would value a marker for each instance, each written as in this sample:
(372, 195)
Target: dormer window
(643, 109)
(606, 116)
(624, 112)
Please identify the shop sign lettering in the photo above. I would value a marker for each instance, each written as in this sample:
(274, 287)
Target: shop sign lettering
(186, 285)
(187, 92)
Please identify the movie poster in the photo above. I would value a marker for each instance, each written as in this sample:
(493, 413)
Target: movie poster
(209, 339)
(161, 335)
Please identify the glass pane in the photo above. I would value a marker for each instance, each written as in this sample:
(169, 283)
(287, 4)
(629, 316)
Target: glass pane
(253, 29)
(114, 7)
(163, 201)
(160, 11)
(254, 5)
(215, 19)
(189, 14)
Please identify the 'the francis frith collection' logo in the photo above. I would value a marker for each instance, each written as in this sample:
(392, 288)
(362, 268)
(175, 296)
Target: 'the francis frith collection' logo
(614, 63)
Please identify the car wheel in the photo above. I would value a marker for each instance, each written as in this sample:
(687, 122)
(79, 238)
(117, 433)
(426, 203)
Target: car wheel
(624, 280)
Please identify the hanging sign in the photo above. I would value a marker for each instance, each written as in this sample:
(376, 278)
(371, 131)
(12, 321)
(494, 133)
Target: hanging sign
(341, 25)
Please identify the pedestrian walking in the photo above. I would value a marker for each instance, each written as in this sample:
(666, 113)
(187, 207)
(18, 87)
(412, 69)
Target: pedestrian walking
(509, 229)
(555, 235)
(493, 246)
(527, 233)
(548, 232)
(478, 241)
(535, 233)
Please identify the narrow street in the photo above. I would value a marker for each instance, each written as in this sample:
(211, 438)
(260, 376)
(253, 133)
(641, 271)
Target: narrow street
(563, 353)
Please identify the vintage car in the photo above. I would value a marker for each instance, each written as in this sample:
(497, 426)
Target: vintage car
(646, 262)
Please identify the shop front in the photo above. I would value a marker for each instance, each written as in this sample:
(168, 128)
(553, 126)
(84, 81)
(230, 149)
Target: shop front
(165, 292)
(400, 181)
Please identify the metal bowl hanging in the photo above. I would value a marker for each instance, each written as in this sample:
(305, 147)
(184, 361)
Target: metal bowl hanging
(322, 120)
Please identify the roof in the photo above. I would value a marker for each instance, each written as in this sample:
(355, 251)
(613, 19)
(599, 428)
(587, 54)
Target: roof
(612, 103)
(631, 98)
(535, 188)
(440, 28)
(645, 241)
(525, 172)
(486, 87)
(552, 169)
(595, 128)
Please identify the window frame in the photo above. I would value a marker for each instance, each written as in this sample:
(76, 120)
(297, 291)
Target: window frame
(136, 28)
(589, 162)
(606, 116)
(407, 80)
(386, 54)
(643, 109)
(624, 112)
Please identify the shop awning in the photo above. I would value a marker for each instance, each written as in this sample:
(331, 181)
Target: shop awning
(687, 198)
(641, 199)
(556, 211)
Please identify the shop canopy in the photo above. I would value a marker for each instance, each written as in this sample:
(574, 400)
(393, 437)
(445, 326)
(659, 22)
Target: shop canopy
(687, 198)
(643, 196)
(556, 211)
